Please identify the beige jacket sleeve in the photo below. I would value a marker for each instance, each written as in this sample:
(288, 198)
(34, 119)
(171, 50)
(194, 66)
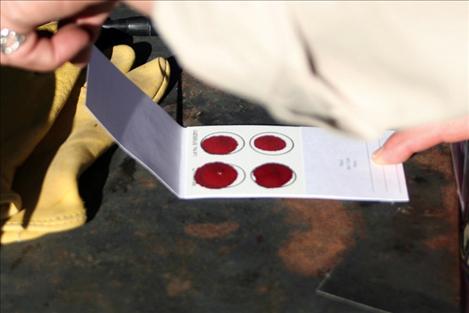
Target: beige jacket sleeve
(360, 67)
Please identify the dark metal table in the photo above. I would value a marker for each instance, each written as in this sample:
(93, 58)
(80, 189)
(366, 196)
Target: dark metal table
(146, 251)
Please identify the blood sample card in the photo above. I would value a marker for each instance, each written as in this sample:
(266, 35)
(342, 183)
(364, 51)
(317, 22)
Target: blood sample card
(244, 161)
(237, 161)
(281, 161)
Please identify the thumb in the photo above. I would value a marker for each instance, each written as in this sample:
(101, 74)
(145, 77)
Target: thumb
(403, 144)
(48, 53)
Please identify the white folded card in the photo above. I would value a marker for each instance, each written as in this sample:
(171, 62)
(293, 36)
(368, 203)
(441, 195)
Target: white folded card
(237, 161)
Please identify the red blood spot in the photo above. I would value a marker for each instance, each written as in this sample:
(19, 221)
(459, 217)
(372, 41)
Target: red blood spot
(219, 144)
(269, 143)
(215, 175)
(272, 175)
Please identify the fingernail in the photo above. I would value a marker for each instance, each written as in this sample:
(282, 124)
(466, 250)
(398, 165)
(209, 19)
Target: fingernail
(377, 156)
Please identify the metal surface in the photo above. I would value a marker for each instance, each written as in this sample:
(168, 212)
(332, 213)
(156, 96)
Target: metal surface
(146, 251)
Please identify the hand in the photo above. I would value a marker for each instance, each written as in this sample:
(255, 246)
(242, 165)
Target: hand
(79, 22)
(401, 145)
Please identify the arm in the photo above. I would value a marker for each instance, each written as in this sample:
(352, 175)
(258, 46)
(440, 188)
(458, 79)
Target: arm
(144, 7)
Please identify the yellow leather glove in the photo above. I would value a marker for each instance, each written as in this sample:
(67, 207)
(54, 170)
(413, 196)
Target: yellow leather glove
(29, 106)
(47, 181)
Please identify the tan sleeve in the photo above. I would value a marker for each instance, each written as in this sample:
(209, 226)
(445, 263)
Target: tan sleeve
(360, 67)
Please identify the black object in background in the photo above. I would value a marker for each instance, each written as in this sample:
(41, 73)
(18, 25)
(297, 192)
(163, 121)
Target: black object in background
(134, 26)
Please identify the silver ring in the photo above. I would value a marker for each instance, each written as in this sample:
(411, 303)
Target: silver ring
(10, 41)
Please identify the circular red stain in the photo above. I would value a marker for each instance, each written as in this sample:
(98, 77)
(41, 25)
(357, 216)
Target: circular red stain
(219, 144)
(272, 175)
(215, 175)
(270, 143)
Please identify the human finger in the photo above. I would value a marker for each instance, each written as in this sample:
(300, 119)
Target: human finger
(72, 42)
(90, 20)
(24, 16)
(403, 144)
